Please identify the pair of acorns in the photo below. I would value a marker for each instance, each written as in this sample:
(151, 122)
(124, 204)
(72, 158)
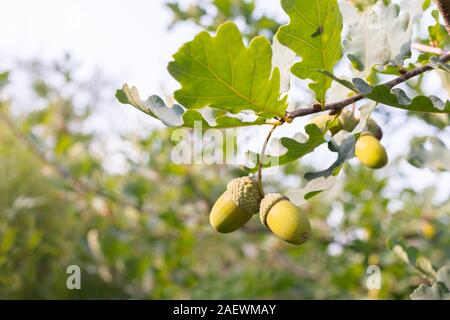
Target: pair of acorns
(368, 148)
(243, 199)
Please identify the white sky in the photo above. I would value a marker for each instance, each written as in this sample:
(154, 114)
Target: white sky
(127, 39)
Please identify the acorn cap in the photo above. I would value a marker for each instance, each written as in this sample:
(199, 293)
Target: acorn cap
(245, 194)
(267, 203)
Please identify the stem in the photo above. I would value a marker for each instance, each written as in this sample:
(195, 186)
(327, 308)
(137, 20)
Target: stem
(444, 8)
(260, 164)
(339, 105)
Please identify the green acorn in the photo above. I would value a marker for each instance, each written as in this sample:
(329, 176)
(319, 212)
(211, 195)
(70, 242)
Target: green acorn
(236, 206)
(284, 219)
(370, 151)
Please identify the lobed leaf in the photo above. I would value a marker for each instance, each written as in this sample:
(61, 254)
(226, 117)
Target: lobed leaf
(177, 116)
(220, 72)
(314, 33)
(344, 144)
(313, 188)
(399, 99)
(395, 97)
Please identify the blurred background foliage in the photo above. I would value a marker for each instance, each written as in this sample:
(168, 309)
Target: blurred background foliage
(143, 232)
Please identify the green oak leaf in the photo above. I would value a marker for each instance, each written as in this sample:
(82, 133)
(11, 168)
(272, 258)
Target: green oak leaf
(312, 188)
(344, 144)
(438, 33)
(295, 149)
(399, 99)
(220, 72)
(177, 116)
(395, 97)
(314, 33)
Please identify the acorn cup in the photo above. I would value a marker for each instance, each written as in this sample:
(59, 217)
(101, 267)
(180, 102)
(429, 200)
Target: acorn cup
(236, 206)
(284, 219)
(370, 151)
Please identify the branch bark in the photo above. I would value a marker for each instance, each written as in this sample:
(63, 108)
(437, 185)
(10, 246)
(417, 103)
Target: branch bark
(339, 105)
(444, 8)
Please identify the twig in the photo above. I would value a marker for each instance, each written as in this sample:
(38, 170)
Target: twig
(444, 8)
(260, 164)
(339, 105)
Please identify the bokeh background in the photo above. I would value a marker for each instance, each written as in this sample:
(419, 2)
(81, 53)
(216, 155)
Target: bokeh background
(86, 181)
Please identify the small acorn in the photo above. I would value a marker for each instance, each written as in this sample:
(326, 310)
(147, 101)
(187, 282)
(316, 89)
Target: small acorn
(284, 219)
(236, 206)
(370, 151)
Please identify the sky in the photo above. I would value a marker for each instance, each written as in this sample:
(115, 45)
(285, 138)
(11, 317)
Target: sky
(129, 40)
(126, 38)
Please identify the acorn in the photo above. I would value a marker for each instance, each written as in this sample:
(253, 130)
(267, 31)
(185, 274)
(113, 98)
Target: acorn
(284, 219)
(236, 206)
(370, 151)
